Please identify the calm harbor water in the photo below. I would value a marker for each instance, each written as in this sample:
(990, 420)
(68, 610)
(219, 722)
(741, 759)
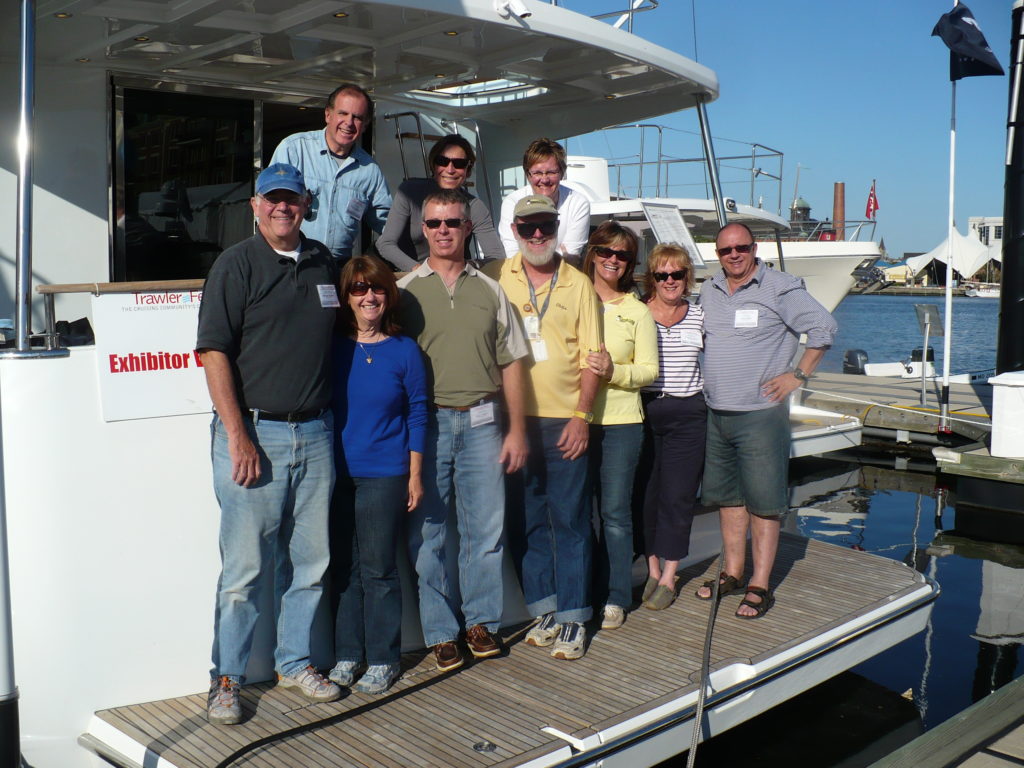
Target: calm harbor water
(973, 642)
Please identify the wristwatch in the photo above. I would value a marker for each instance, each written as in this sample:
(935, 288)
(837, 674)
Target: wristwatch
(800, 374)
(587, 416)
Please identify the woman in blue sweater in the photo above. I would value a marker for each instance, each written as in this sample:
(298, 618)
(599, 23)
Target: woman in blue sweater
(380, 416)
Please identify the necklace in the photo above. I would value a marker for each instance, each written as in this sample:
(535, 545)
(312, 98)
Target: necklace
(371, 340)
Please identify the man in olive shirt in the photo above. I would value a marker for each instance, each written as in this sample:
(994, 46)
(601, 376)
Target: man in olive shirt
(473, 345)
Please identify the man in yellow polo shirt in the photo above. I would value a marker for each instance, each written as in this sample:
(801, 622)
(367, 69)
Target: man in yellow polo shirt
(548, 520)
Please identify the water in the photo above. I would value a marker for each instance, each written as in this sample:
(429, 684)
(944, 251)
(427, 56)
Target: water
(886, 328)
(973, 641)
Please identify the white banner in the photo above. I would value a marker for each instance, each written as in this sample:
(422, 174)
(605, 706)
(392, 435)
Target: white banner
(145, 354)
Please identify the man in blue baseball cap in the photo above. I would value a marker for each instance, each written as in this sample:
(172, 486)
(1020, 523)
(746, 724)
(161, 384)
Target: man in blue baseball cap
(265, 328)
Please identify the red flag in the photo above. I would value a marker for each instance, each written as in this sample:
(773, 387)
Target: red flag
(872, 206)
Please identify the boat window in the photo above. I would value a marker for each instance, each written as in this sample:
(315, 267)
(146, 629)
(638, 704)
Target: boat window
(183, 178)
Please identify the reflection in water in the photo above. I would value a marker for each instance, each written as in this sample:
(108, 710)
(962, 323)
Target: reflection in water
(865, 502)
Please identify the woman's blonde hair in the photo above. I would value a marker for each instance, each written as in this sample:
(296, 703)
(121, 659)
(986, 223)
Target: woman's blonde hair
(670, 254)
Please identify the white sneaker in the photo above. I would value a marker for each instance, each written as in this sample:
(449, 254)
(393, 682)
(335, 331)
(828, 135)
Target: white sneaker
(344, 673)
(311, 684)
(571, 643)
(543, 633)
(613, 617)
(223, 706)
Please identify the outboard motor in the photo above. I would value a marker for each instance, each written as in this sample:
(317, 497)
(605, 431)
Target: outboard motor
(915, 356)
(854, 361)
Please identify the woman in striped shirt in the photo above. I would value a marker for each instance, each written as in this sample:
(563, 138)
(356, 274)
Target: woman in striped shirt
(628, 360)
(676, 416)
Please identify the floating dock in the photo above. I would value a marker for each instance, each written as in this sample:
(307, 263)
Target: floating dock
(634, 691)
(988, 734)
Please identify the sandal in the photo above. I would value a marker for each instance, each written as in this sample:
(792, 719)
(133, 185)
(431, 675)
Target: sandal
(727, 585)
(767, 601)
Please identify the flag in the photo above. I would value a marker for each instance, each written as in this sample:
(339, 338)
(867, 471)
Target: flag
(969, 54)
(872, 206)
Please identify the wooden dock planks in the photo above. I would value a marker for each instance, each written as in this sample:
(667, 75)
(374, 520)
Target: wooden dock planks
(490, 713)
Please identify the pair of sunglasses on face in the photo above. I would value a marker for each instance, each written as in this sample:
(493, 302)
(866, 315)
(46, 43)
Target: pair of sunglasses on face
(359, 288)
(443, 161)
(745, 248)
(661, 277)
(608, 253)
(546, 227)
(435, 223)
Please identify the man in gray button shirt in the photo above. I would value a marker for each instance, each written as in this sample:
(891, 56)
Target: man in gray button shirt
(753, 318)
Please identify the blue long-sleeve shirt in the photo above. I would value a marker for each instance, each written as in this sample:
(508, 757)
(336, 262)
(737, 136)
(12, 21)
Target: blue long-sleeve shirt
(345, 191)
(380, 406)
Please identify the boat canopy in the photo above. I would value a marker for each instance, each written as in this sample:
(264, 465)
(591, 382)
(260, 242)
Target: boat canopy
(459, 58)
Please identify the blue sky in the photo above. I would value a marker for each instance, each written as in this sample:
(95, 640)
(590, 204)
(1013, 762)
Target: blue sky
(850, 91)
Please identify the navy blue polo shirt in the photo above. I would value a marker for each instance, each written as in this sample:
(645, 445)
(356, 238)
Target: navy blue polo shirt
(265, 312)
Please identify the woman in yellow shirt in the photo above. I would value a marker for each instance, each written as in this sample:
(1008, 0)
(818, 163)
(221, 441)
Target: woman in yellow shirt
(627, 361)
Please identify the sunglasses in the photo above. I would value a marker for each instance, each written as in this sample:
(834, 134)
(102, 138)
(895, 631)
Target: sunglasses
(435, 223)
(661, 277)
(443, 161)
(608, 253)
(359, 288)
(746, 248)
(526, 228)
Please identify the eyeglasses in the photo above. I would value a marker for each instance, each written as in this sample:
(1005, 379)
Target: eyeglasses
(608, 253)
(661, 277)
(359, 288)
(546, 227)
(538, 175)
(745, 248)
(435, 223)
(443, 161)
(278, 197)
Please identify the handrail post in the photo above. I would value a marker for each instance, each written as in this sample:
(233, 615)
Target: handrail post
(23, 261)
(712, 163)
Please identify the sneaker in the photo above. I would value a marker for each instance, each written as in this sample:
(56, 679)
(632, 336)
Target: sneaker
(482, 644)
(543, 633)
(311, 684)
(344, 673)
(447, 656)
(223, 706)
(572, 641)
(378, 678)
(613, 617)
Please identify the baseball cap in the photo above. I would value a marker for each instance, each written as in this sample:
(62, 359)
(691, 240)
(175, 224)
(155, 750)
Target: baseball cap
(280, 176)
(532, 204)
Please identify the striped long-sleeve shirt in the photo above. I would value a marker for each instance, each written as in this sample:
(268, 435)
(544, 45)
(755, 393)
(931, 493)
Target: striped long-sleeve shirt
(679, 349)
(752, 335)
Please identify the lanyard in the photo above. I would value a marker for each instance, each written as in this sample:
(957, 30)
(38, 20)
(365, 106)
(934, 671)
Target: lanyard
(533, 294)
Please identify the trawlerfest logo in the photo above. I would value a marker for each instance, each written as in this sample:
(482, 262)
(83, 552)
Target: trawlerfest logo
(153, 361)
(167, 300)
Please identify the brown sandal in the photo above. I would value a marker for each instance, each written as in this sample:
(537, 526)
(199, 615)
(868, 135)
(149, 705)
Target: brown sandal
(727, 585)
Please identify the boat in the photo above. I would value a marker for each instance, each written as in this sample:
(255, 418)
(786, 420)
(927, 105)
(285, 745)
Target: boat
(983, 291)
(110, 515)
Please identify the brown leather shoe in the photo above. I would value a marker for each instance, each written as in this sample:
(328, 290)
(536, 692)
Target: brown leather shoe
(482, 644)
(447, 656)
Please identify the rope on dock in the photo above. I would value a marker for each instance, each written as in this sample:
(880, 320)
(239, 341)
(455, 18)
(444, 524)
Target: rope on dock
(913, 409)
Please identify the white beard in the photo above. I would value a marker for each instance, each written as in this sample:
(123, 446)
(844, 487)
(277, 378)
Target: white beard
(538, 259)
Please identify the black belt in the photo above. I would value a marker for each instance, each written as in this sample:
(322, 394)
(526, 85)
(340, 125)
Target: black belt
(481, 401)
(295, 417)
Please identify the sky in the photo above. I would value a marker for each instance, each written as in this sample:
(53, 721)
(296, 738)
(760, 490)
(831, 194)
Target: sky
(850, 91)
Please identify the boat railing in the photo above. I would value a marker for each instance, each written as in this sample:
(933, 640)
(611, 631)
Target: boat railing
(51, 338)
(852, 230)
(624, 16)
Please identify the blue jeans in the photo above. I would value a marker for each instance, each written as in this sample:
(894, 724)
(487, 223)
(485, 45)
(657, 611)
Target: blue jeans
(612, 456)
(549, 528)
(280, 520)
(366, 522)
(462, 461)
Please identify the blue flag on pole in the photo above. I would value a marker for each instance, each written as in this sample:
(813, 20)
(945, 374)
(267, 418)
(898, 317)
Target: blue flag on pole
(969, 53)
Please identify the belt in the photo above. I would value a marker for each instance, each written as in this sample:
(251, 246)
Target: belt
(295, 417)
(481, 401)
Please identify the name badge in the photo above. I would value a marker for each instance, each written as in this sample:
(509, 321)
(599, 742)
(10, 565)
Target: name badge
(540, 350)
(691, 338)
(531, 325)
(745, 318)
(356, 208)
(328, 296)
(481, 414)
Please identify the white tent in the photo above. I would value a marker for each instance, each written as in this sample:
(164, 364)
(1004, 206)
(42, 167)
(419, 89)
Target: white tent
(969, 255)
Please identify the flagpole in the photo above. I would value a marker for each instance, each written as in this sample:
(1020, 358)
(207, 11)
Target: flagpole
(946, 341)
